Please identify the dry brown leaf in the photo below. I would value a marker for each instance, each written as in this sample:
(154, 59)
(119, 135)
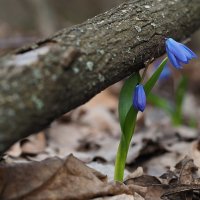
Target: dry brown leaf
(138, 172)
(180, 184)
(54, 179)
(34, 144)
(194, 152)
(186, 169)
(147, 186)
(15, 150)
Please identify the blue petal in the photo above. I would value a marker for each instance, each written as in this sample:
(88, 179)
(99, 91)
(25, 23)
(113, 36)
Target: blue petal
(186, 52)
(191, 53)
(173, 59)
(141, 98)
(176, 49)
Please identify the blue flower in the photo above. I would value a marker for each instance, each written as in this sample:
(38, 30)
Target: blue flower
(178, 53)
(139, 98)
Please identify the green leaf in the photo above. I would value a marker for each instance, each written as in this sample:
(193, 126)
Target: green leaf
(127, 117)
(160, 103)
(125, 98)
(129, 124)
(154, 78)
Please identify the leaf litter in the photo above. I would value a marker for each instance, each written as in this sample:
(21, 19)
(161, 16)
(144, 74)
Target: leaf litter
(91, 133)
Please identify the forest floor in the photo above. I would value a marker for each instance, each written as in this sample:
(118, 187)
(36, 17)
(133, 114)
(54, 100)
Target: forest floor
(74, 157)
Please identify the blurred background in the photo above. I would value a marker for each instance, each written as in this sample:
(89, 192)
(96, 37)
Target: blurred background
(92, 131)
(27, 20)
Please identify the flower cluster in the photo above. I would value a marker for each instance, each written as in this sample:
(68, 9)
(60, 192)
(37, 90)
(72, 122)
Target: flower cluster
(178, 54)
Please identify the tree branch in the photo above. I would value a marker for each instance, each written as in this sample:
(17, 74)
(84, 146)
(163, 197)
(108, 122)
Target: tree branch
(41, 82)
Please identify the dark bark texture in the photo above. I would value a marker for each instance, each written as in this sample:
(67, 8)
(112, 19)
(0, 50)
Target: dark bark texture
(51, 77)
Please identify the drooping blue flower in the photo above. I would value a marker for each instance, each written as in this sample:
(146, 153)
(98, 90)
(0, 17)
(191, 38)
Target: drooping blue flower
(178, 53)
(139, 98)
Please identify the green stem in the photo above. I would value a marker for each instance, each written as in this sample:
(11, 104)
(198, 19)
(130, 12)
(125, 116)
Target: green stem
(121, 159)
(124, 145)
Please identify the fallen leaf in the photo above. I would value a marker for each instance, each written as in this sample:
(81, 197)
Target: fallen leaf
(182, 183)
(34, 144)
(54, 179)
(31, 145)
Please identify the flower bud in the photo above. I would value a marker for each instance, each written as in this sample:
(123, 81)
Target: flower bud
(139, 98)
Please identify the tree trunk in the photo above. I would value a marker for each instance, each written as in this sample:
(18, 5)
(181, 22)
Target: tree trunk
(49, 78)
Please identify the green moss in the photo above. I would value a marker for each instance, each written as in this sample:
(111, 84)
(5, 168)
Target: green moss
(38, 102)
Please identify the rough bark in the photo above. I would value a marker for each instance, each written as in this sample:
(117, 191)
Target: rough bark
(41, 82)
